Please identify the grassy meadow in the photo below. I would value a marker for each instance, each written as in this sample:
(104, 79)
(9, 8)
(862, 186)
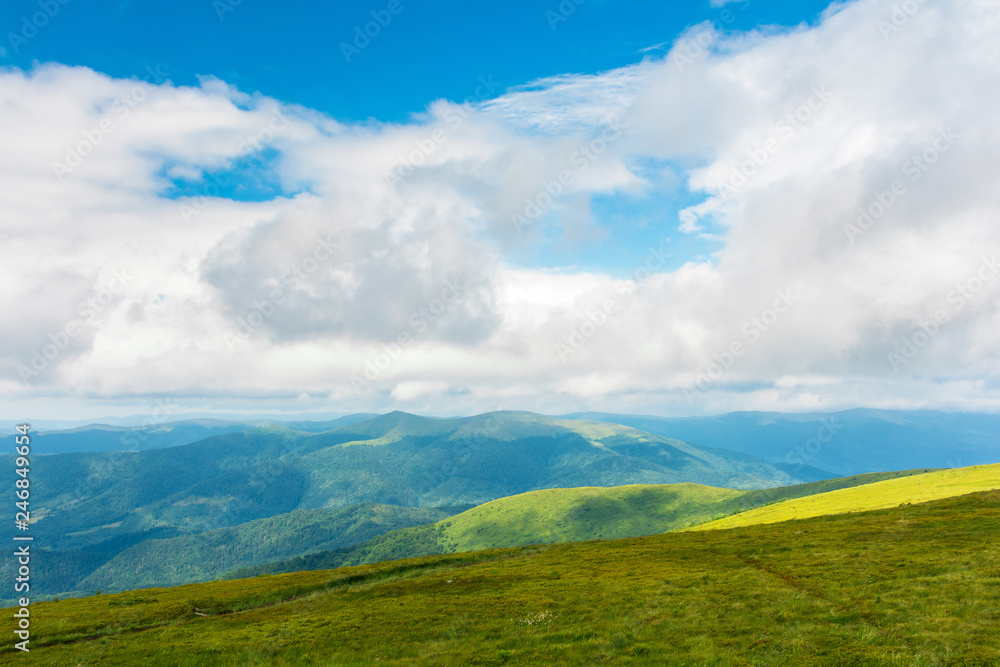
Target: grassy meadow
(911, 585)
(878, 495)
(589, 513)
(562, 515)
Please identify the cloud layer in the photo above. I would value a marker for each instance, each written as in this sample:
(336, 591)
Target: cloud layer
(847, 170)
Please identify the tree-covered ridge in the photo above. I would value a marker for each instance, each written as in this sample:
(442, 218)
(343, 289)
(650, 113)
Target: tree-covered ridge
(908, 585)
(90, 508)
(569, 515)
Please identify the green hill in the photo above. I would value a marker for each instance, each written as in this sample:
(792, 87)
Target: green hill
(205, 556)
(85, 500)
(855, 441)
(912, 585)
(573, 515)
(154, 434)
(89, 508)
(888, 493)
(418, 461)
(564, 515)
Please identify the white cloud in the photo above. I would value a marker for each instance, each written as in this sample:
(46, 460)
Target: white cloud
(786, 135)
(565, 103)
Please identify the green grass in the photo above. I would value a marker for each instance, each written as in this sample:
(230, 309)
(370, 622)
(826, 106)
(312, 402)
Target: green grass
(572, 515)
(563, 515)
(912, 585)
(103, 516)
(887, 493)
(588, 513)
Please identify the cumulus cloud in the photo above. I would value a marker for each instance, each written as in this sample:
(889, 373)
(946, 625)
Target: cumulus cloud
(847, 168)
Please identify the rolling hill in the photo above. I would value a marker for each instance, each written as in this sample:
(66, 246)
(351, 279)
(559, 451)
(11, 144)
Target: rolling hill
(89, 507)
(843, 443)
(879, 495)
(573, 515)
(205, 556)
(565, 515)
(168, 561)
(154, 434)
(85, 500)
(912, 585)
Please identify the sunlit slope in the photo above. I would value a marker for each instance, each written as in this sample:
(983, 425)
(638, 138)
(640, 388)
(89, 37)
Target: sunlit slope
(911, 585)
(879, 495)
(563, 515)
(88, 508)
(570, 515)
(589, 513)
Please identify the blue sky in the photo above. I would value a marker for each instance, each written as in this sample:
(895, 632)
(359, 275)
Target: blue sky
(222, 212)
(430, 50)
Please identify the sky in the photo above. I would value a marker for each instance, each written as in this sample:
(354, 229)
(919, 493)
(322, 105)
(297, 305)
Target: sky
(614, 206)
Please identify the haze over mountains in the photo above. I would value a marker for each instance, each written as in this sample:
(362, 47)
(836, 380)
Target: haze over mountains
(418, 315)
(117, 507)
(808, 446)
(908, 585)
(88, 507)
(579, 514)
(850, 442)
(156, 431)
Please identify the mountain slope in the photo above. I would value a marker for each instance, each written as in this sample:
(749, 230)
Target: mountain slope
(89, 507)
(155, 434)
(845, 443)
(564, 515)
(888, 493)
(571, 515)
(417, 461)
(828, 591)
(181, 560)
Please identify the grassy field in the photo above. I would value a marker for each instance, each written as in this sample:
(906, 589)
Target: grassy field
(588, 513)
(570, 515)
(879, 495)
(912, 585)
(562, 515)
(103, 516)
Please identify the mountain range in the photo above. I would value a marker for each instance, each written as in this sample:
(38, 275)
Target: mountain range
(909, 585)
(356, 489)
(835, 444)
(808, 446)
(89, 508)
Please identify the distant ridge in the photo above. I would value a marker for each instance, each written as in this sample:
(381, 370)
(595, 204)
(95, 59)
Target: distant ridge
(571, 515)
(849, 442)
(107, 510)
